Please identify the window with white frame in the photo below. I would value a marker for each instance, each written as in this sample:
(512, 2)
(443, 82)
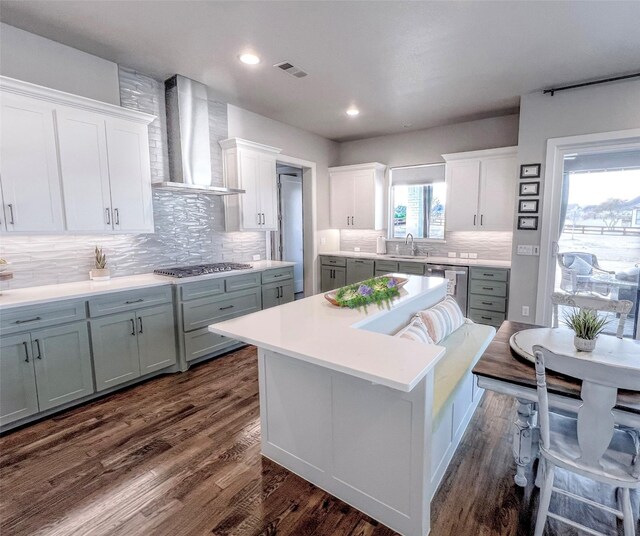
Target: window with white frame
(418, 197)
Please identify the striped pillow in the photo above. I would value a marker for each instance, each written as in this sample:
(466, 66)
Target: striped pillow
(415, 331)
(442, 319)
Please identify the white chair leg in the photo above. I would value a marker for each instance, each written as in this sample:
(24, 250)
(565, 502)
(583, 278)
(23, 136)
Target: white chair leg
(545, 496)
(629, 520)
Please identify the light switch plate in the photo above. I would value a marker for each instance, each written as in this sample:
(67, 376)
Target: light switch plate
(525, 310)
(356, 249)
(524, 250)
(256, 257)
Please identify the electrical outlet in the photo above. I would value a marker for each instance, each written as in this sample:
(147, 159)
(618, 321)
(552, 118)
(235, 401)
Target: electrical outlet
(473, 255)
(464, 255)
(323, 240)
(356, 249)
(525, 310)
(256, 257)
(452, 254)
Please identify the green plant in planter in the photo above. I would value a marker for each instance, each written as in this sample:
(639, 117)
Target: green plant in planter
(100, 259)
(585, 323)
(379, 290)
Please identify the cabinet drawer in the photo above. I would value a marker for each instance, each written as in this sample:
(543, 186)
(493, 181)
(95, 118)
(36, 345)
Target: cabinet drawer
(489, 274)
(488, 303)
(200, 289)
(200, 313)
(333, 261)
(489, 288)
(414, 268)
(386, 267)
(119, 302)
(241, 282)
(486, 317)
(202, 342)
(38, 316)
(279, 274)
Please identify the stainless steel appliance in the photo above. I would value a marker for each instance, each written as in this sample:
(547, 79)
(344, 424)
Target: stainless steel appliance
(459, 281)
(201, 269)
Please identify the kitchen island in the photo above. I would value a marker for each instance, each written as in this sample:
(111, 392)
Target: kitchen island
(347, 406)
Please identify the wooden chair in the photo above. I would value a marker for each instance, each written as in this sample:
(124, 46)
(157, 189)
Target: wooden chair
(590, 445)
(593, 303)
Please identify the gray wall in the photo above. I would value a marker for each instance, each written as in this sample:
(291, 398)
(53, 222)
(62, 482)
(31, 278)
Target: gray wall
(590, 110)
(32, 58)
(427, 146)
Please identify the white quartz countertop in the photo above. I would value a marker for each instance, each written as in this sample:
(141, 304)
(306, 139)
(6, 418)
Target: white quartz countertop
(487, 263)
(83, 289)
(317, 332)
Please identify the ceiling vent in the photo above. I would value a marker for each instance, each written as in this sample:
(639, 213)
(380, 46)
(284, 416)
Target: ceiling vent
(291, 69)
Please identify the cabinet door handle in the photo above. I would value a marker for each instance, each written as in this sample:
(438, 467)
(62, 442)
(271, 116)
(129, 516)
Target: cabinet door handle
(474, 219)
(281, 292)
(116, 215)
(481, 219)
(277, 293)
(264, 219)
(26, 351)
(140, 322)
(11, 213)
(352, 221)
(133, 326)
(347, 220)
(37, 342)
(226, 307)
(28, 320)
(258, 215)
(108, 213)
(134, 301)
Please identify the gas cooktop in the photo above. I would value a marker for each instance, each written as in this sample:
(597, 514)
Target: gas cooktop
(201, 269)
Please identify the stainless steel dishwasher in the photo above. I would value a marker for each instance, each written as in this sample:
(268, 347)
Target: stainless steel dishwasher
(459, 281)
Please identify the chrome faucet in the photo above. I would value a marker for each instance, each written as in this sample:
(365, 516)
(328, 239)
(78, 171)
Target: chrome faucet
(414, 250)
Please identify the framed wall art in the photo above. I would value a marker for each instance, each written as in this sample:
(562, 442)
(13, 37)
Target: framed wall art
(528, 223)
(529, 188)
(528, 206)
(529, 171)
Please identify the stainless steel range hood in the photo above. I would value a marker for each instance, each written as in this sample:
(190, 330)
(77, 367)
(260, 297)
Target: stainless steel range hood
(188, 137)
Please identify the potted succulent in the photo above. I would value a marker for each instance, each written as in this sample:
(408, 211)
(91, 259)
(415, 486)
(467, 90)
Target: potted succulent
(586, 325)
(100, 272)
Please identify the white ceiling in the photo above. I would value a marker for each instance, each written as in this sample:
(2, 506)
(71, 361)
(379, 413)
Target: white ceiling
(419, 64)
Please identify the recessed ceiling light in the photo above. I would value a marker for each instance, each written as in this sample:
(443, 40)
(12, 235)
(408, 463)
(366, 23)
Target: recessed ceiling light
(352, 112)
(250, 59)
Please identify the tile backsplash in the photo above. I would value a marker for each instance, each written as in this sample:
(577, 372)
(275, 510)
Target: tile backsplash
(488, 245)
(189, 226)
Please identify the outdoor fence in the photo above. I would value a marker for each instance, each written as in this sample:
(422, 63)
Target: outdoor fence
(601, 230)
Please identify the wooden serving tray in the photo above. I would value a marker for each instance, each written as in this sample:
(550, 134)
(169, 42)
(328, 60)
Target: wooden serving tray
(331, 296)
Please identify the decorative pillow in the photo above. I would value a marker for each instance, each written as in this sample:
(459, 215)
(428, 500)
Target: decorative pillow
(415, 331)
(442, 319)
(580, 266)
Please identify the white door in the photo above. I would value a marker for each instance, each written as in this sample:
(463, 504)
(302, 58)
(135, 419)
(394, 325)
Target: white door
(29, 166)
(342, 200)
(498, 181)
(364, 195)
(268, 192)
(463, 181)
(249, 174)
(85, 173)
(130, 176)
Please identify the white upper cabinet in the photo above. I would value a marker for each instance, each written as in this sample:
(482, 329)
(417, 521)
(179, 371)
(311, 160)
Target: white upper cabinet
(72, 164)
(251, 167)
(29, 166)
(357, 196)
(481, 188)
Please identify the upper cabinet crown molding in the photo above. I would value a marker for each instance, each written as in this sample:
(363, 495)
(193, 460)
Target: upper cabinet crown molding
(358, 167)
(484, 153)
(27, 89)
(239, 143)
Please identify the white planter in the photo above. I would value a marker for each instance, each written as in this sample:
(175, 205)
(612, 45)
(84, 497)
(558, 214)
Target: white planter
(100, 274)
(584, 345)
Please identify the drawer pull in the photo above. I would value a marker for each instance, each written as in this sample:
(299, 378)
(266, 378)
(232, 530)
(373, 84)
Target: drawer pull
(278, 275)
(485, 317)
(487, 288)
(226, 307)
(28, 320)
(488, 275)
(487, 303)
(129, 302)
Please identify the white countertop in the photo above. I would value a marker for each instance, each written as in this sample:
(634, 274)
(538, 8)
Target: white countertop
(317, 332)
(487, 263)
(83, 289)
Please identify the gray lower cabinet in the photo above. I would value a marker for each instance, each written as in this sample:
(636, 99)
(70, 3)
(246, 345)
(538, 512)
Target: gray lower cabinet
(386, 267)
(43, 369)
(413, 268)
(18, 394)
(332, 278)
(488, 295)
(277, 293)
(359, 270)
(132, 344)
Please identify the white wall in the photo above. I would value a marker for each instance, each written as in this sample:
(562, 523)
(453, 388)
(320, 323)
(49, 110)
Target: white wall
(32, 58)
(293, 142)
(604, 108)
(427, 146)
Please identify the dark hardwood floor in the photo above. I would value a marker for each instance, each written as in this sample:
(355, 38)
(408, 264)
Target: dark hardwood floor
(180, 455)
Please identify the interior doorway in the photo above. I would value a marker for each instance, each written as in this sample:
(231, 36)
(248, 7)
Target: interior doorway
(287, 244)
(591, 225)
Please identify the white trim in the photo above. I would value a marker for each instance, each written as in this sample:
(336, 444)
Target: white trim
(309, 173)
(26, 89)
(484, 153)
(232, 143)
(355, 167)
(556, 148)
